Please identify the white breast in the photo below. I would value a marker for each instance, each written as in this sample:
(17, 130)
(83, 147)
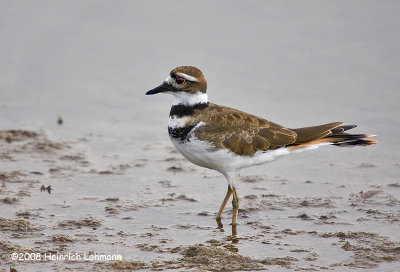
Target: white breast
(176, 122)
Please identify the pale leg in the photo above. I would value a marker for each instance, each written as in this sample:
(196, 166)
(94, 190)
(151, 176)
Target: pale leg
(235, 206)
(235, 202)
(221, 209)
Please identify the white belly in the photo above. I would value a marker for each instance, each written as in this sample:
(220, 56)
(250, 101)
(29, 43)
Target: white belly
(223, 160)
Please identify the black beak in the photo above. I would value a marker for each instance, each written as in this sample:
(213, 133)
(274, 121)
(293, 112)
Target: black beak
(161, 89)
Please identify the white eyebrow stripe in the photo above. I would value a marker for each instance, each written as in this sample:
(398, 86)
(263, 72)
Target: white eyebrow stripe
(190, 78)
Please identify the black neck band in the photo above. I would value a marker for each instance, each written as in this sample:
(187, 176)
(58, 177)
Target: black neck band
(181, 110)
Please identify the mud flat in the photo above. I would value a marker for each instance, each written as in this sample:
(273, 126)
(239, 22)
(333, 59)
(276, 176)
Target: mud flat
(62, 210)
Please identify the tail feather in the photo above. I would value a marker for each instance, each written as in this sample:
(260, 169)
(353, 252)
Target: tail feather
(342, 128)
(349, 136)
(363, 142)
(332, 133)
(307, 134)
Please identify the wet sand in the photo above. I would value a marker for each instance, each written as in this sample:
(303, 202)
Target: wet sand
(62, 205)
(89, 180)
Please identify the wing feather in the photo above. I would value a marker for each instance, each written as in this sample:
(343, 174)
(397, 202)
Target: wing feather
(240, 132)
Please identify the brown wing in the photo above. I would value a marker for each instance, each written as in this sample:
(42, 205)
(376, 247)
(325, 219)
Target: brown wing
(241, 132)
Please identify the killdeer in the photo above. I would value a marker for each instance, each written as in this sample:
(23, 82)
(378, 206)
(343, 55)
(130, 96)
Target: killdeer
(226, 139)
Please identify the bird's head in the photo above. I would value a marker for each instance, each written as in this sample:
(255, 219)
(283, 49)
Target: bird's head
(186, 83)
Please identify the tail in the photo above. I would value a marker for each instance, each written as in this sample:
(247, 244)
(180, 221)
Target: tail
(332, 133)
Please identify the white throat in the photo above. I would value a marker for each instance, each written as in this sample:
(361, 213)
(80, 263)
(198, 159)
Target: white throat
(190, 99)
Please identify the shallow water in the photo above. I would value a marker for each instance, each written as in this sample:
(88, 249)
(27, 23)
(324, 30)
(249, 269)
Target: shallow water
(119, 188)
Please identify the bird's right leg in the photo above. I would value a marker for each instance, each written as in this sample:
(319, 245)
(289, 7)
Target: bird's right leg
(221, 209)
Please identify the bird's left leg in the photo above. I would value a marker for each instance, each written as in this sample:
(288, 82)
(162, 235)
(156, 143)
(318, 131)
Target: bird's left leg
(235, 207)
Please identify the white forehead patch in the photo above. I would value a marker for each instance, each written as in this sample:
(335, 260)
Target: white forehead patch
(169, 80)
(190, 78)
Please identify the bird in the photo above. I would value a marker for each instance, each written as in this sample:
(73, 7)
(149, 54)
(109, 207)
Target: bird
(226, 139)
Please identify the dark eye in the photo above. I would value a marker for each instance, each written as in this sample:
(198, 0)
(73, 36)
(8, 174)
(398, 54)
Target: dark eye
(180, 80)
